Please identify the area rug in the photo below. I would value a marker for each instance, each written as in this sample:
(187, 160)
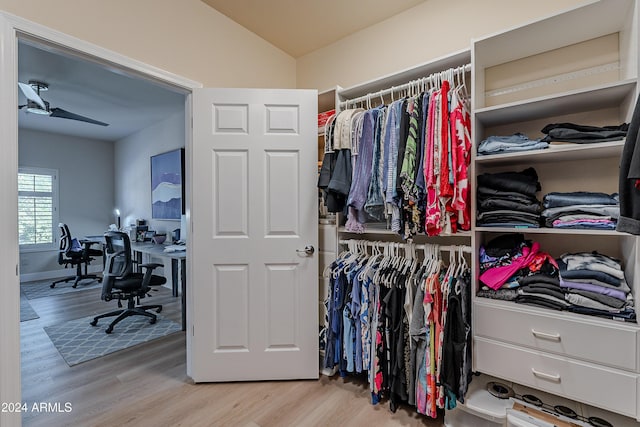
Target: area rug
(77, 341)
(42, 288)
(26, 311)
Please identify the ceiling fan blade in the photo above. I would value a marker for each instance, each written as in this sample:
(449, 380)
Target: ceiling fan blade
(63, 114)
(31, 94)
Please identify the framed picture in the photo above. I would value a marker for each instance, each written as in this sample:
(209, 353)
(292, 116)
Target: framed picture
(167, 189)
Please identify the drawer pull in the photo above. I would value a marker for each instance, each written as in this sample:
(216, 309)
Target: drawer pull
(546, 336)
(549, 377)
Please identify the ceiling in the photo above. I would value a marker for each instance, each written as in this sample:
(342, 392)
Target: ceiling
(80, 86)
(302, 26)
(130, 104)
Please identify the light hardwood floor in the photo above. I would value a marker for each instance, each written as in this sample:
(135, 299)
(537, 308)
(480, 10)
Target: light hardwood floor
(147, 385)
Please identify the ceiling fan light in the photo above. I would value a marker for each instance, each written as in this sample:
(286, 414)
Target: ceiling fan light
(35, 108)
(38, 110)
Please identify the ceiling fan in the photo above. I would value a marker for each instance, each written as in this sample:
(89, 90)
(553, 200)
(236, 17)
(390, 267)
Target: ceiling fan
(35, 104)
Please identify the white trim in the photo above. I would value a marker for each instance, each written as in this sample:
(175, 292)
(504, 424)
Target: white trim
(9, 257)
(90, 51)
(11, 28)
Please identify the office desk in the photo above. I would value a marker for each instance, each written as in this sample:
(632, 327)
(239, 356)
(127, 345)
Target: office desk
(139, 248)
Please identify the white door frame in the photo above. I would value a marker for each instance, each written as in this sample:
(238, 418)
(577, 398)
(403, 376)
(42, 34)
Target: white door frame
(11, 28)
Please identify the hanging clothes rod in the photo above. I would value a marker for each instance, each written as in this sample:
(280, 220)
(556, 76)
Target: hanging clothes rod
(381, 93)
(443, 248)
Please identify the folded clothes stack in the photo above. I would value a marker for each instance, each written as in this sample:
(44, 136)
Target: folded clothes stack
(595, 284)
(583, 134)
(509, 144)
(511, 268)
(508, 199)
(514, 269)
(581, 209)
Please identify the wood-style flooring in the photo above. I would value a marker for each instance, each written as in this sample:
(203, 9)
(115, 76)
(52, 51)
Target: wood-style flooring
(147, 385)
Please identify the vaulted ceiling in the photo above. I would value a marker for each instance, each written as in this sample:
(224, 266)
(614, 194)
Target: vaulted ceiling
(302, 26)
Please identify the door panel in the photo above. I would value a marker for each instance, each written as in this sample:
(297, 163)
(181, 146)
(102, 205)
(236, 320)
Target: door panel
(231, 193)
(282, 171)
(254, 210)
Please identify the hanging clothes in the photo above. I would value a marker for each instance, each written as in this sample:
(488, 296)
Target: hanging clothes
(409, 161)
(405, 324)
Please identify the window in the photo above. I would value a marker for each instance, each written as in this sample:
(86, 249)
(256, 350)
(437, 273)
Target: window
(37, 208)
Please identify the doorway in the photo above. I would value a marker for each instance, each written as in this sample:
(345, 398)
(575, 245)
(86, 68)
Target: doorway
(14, 30)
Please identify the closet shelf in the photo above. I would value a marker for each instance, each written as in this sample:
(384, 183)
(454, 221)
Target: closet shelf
(586, 99)
(555, 153)
(545, 230)
(380, 229)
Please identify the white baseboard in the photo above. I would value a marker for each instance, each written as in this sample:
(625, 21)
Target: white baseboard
(56, 274)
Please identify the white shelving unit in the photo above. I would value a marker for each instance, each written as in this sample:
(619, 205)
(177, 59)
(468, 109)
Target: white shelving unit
(517, 85)
(591, 360)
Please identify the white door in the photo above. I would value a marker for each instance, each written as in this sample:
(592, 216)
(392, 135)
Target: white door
(253, 212)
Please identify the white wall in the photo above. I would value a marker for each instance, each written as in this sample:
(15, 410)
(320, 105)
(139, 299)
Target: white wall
(133, 170)
(185, 37)
(85, 186)
(433, 29)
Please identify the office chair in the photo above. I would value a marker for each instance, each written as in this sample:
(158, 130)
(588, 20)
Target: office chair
(75, 253)
(120, 282)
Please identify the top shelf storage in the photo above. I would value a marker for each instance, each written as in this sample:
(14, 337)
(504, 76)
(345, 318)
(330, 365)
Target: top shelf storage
(573, 52)
(587, 99)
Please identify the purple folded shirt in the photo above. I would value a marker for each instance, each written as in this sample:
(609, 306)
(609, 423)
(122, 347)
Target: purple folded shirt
(594, 288)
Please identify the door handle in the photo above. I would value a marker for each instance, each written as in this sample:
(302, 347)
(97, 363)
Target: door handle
(549, 377)
(307, 251)
(545, 335)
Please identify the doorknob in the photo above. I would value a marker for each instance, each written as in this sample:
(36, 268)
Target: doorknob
(307, 251)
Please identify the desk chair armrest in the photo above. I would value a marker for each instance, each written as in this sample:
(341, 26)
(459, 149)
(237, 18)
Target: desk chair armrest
(151, 265)
(89, 242)
(146, 279)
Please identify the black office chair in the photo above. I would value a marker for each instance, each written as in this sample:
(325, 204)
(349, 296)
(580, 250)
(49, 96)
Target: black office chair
(75, 253)
(120, 282)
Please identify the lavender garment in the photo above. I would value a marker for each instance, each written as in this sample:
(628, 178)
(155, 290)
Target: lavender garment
(594, 288)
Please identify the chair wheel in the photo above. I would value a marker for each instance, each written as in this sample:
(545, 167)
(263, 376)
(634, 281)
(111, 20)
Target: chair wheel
(108, 330)
(75, 285)
(93, 322)
(152, 321)
(159, 310)
(53, 285)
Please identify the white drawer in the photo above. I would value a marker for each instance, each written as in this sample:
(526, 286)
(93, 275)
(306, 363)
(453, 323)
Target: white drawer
(327, 237)
(591, 339)
(603, 387)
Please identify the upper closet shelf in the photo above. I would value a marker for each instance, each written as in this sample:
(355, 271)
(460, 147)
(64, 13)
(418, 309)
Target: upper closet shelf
(380, 229)
(555, 153)
(545, 230)
(583, 22)
(587, 99)
(453, 60)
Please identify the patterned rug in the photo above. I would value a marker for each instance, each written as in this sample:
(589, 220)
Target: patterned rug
(77, 341)
(42, 288)
(26, 311)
